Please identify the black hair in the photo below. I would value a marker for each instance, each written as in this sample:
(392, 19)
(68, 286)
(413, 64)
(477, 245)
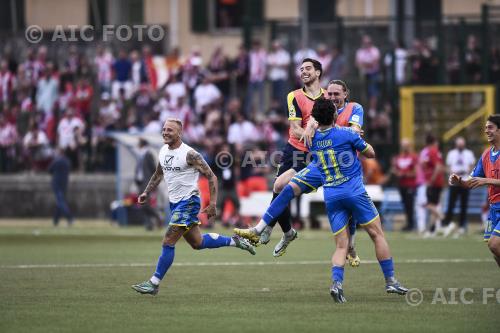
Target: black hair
(495, 119)
(430, 139)
(316, 64)
(324, 112)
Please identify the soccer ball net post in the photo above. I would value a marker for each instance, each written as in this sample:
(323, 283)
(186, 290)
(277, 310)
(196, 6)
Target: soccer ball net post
(126, 161)
(446, 112)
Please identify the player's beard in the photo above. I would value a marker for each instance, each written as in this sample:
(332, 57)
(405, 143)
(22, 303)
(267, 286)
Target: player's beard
(308, 81)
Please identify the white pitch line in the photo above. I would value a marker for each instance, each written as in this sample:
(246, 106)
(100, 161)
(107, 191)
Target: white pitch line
(241, 263)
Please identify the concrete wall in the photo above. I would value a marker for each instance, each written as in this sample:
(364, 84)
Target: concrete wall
(281, 9)
(31, 195)
(465, 7)
(49, 13)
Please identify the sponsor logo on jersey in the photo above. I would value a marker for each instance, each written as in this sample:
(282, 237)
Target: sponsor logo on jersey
(169, 159)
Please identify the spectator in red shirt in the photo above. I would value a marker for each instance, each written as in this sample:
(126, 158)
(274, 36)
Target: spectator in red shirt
(83, 97)
(431, 161)
(404, 167)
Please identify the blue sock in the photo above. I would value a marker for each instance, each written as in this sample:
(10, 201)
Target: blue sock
(213, 240)
(279, 204)
(164, 261)
(387, 267)
(338, 274)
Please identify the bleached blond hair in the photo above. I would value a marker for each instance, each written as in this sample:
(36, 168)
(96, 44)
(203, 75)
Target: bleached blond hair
(175, 120)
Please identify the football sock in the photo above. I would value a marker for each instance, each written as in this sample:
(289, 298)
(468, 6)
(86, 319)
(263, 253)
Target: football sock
(352, 231)
(278, 207)
(387, 267)
(285, 220)
(337, 274)
(260, 227)
(154, 280)
(213, 240)
(164, 262)
(273, 222)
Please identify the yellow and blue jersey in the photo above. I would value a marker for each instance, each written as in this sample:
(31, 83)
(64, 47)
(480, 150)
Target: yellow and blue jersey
(335, 155)
(309, 179)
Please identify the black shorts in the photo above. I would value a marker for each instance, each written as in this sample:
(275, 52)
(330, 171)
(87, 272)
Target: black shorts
(433, 194)
(292, 158)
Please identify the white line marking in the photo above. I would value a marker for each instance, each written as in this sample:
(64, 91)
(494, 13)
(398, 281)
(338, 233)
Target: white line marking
(241, 263)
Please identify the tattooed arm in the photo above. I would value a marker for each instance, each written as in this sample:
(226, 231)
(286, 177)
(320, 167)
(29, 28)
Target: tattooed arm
(156, 179)
(195, 159)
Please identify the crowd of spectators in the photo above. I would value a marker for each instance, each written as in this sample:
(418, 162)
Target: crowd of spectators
(71, 102)
(234, 103)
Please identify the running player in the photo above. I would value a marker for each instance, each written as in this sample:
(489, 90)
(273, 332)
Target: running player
(309, 178)
(180, 166)
(486, 173)
(334, 152)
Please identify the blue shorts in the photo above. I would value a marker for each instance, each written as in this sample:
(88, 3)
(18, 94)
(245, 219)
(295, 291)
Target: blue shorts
(360, 206)
(185, 212)
(493, 227)
(309, 178)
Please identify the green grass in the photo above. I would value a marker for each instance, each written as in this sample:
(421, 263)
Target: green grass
(236, 298)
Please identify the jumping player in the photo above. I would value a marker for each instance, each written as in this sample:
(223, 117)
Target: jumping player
(294, 156)
(309, 178)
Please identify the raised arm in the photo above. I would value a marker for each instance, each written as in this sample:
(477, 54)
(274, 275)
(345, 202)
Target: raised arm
(155, 179)
(195, 159)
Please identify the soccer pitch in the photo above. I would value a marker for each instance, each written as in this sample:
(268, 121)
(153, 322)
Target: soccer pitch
(78, 279)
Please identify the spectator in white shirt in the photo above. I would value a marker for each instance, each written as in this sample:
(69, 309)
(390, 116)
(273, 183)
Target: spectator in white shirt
(47, 90)
(206, 94)
(70, 136)
(459, 161)
(109, 114)
(8, 138)
(242, 131)
(401, 55)
(36, 147)
(278, 62)
(138, 71)
(175, 89)
(7, 83)
(103, 62)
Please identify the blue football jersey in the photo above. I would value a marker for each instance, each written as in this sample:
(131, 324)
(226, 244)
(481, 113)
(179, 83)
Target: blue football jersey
(335, 153)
